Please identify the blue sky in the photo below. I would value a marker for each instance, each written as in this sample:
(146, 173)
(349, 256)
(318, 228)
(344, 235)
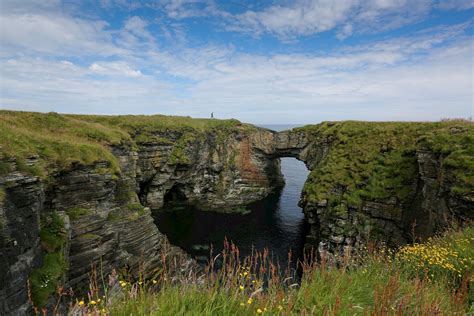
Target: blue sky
(264, 62)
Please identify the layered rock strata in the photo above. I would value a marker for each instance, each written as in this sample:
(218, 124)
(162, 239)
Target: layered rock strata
(88, 217)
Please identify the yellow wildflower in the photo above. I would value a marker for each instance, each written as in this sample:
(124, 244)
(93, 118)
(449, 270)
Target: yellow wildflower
(241, 287)
(249, 301)
(92, 302)
(81, 303)
(259, 311)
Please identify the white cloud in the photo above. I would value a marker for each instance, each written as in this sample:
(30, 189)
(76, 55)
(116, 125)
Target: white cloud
(138, 27)
(181, 9)
(54, 34)
(345, 31)
(42, 85)
(307, 17)
(455, 4)
(114, 68)
(28, 6)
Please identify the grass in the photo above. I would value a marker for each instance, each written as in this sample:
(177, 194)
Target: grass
(59, 141)
(376, 281)
(377, 160)
(45, 279)
(77, 212)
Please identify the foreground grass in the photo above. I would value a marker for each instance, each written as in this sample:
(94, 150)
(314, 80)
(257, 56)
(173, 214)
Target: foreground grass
(377, 282)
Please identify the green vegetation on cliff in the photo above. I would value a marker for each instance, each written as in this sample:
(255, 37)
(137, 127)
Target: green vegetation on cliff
(376, 281)
(377, 160)
(40, 142)
(45, 279)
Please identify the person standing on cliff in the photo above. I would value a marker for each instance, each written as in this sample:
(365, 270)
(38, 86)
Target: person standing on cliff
(212, 115)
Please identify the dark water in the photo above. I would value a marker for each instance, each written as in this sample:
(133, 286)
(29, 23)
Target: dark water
(275, 223)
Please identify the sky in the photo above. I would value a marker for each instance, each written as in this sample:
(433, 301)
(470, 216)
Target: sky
(263, 62)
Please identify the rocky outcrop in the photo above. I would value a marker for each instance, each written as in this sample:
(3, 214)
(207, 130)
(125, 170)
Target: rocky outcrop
(216, 171)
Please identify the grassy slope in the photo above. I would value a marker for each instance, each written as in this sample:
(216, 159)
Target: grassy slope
(369, 160)
(379, 282)
(60, 140)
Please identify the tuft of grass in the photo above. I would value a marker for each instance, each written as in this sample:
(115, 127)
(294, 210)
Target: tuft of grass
(45, 279)
(77, 212)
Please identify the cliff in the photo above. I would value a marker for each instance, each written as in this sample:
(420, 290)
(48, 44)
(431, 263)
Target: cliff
(391, 181)
(77, 190)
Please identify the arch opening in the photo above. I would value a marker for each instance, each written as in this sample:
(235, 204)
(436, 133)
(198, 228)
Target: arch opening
(175, 195)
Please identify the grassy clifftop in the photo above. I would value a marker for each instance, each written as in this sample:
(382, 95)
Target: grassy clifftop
(377, 160)
(59, 140)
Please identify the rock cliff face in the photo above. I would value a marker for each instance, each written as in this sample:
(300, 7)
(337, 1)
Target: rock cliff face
(395, 182)
(214, 171)
(78, 191)
(54, 230)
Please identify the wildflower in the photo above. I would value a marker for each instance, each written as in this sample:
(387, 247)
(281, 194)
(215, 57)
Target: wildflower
(81, 303)
(154, 281)
(249, 301)
(242, 304)
(140, 283)
(245, 273)
(98, 300)
(280, 307)
(253, 281)
(241, 287)
(92, 302)
(259, 311)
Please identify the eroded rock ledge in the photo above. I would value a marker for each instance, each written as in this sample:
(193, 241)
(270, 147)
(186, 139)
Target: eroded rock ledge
(97, 178)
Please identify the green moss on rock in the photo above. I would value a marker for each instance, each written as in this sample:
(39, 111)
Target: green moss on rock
(3, 195)
(77, 212)
(45, 279)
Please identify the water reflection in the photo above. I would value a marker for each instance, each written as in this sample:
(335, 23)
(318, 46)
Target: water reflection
(275, 223)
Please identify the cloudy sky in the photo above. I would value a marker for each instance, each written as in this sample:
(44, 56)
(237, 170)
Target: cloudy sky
(299, 61)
